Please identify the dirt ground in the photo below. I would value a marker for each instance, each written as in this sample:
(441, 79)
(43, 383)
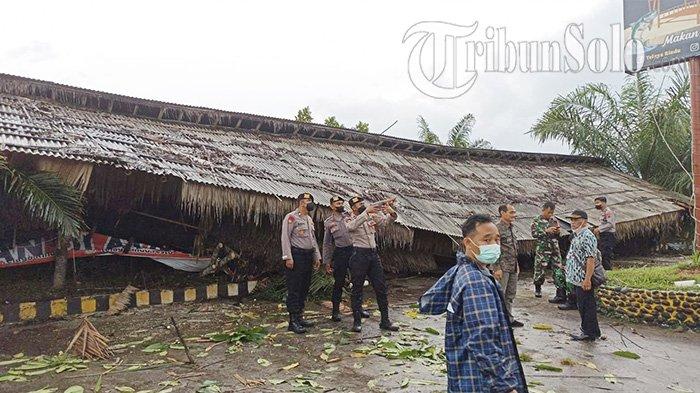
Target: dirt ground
(668, 360)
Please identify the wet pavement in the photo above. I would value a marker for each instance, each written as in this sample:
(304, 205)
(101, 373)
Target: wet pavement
(331, 359)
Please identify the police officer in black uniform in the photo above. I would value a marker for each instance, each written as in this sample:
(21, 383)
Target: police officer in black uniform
(363, 224)
(337, 249)
(301, 257)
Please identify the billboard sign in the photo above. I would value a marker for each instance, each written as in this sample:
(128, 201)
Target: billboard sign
(667, 30)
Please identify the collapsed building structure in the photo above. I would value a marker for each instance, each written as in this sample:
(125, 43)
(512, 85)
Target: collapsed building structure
(187, 177)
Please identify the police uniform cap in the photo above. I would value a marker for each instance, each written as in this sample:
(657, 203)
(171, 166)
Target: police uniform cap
(354, 200)
(305, 195)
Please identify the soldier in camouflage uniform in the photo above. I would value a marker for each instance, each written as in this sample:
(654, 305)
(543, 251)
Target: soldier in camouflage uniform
(545, 230)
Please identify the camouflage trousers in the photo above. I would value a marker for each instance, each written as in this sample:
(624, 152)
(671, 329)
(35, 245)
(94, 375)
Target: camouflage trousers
(557, 274)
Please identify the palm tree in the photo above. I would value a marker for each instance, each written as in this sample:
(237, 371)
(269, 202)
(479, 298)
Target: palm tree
(45, 198)
(459, 135)
(425, 134)
(643, 130)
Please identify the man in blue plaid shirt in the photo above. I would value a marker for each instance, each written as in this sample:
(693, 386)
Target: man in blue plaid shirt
(479, 343)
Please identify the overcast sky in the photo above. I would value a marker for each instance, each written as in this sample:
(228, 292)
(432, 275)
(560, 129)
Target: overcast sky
(272, 58)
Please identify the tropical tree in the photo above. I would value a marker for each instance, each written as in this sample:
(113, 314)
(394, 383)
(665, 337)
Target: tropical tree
(362, 126)
(643, 130)
(425, 134)
(459, 135)
(45, 198)
(304, 115)
(332, 122)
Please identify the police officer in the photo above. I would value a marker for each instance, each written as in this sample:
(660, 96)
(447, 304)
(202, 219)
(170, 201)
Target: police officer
(301, 256)
(364, 262)
(337, 249)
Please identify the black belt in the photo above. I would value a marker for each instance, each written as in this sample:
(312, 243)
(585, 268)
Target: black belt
(303, 250)
(344, 248)
(365, 249)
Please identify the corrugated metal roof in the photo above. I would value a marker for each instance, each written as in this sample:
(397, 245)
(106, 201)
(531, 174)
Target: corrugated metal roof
(435, 193)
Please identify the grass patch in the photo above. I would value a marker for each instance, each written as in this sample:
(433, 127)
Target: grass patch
(657, 277)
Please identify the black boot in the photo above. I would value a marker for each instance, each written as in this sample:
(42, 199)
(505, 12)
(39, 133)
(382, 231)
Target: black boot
(570, 303)
(560, 296)
(294, 325)
(356, 323)
(364, 314)
(385, 323)
(335, 315)
(538, 290)
(303, 322)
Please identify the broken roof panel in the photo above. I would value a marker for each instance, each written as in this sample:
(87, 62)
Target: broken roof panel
(436, 185)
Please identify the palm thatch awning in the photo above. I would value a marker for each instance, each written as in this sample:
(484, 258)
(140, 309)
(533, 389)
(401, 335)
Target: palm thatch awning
(243, 164)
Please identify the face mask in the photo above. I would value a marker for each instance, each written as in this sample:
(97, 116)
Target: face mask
(340, 209)
(488, 253)
(580, 228)
(361, 209)
(310, 206)
(599, 207)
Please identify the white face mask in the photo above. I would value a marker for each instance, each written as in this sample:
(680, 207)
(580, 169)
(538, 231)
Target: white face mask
(488, 253)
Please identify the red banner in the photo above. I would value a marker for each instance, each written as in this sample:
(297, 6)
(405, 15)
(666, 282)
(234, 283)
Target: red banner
(89, 245)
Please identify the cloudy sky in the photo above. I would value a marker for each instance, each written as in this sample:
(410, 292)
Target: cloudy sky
(274, 57)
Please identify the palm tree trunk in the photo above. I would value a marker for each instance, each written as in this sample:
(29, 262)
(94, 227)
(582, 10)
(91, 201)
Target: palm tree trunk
(60, 267)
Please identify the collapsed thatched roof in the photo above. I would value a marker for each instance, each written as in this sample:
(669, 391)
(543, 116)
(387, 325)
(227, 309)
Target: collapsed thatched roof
(226, 157)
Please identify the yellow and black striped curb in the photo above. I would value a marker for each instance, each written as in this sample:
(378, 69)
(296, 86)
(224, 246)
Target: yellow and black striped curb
(656, 307)
(57, 308)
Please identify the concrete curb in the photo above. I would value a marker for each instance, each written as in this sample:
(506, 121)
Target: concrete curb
(58, 308)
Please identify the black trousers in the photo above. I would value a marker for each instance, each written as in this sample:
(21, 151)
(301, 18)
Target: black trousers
(606, 245)
(365, 263)
(298, 279)
(587, 309)
(341, 267)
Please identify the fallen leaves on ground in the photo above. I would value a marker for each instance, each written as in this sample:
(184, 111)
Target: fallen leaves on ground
(407, 347)
(568, 362)
(291, 366)
(626, 354)
(547, 367)
(542, 326)
(264, 362)
(209, 386)
(413, 314)
(677, 388)
(29, 367)
(241, 335)
(525, 357)
(590, 365)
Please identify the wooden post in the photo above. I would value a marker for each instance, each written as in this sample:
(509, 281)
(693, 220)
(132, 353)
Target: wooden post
(694, 68)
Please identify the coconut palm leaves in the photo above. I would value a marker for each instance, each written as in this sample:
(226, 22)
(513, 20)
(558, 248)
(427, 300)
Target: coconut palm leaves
(459, 135)
(643, 130)
(44, 197)
(425, 134)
